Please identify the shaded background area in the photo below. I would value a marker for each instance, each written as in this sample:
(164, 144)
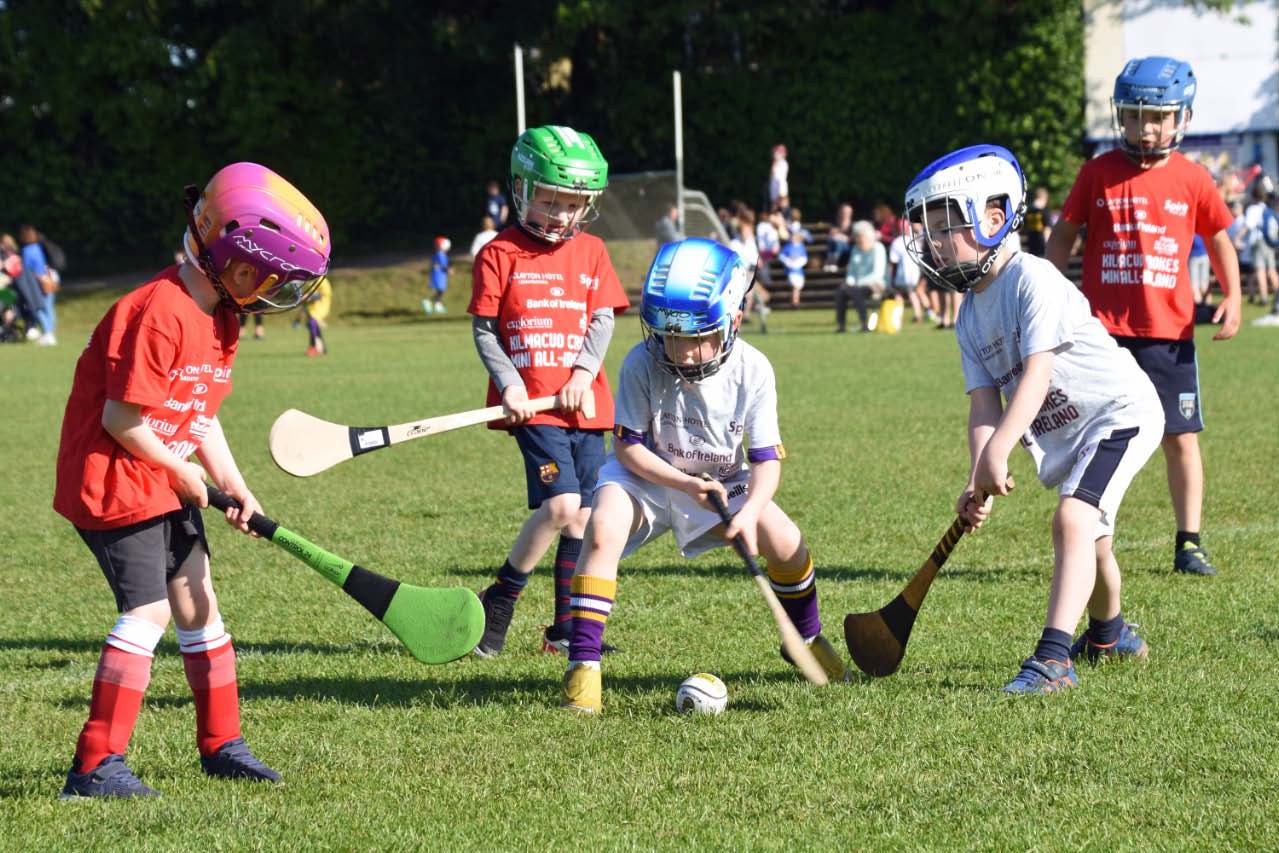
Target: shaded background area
(392, 115)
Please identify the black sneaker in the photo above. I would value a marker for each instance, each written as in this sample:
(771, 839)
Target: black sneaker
(111, 778)
(234, 760)
(1193, 560)
(498, 610)
(555, 641)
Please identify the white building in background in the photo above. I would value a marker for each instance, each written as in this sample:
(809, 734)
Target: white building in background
(1235, 56)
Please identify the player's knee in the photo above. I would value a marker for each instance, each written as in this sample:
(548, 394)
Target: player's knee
(562, 510)
(157, 613)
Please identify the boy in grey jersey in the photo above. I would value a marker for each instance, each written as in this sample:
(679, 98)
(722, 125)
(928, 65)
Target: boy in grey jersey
(1078, 402)
(696, 414)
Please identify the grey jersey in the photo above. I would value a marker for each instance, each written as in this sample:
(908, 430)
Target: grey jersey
(706, 426)
(1096, 385)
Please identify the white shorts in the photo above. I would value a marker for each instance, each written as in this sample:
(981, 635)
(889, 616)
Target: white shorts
(1106, 468)
(796, 280)
(662, 509)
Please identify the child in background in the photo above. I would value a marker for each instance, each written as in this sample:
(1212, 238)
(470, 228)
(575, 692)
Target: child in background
(778, 179)
(795, 257)
(542, 302)
(1077, 401)
(145, 396)
(439, 277)
(1142, 203)
(316, 310)
(693, 400)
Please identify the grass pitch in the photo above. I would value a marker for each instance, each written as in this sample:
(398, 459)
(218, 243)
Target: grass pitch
(379, 751)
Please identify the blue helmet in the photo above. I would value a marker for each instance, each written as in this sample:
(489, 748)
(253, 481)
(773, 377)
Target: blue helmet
(1158, 84)
(694, 289)
(960, 185)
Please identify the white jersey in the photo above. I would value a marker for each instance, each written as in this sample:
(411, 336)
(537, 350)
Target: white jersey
(1096, 385)
(714, 426)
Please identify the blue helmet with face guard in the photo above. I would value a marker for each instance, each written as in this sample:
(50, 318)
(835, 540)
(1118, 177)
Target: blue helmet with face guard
(1154, 84)
(695, 290)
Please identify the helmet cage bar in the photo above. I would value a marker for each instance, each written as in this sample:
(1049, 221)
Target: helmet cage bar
(656, 343)
(576, 223)
(961, 215)
(263, 300)
(1180, 109)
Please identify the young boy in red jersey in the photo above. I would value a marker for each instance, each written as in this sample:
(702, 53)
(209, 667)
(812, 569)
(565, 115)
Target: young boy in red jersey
(145, 397)
(1143, 203)
(542, 302)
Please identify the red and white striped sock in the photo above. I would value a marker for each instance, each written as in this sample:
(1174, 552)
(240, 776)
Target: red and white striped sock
(209, 660)
(124, 671)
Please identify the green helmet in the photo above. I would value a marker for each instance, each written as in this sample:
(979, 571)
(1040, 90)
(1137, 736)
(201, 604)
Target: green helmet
(556, 158)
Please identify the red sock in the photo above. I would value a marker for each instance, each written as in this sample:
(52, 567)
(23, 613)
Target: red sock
(211, 675)
(118, 687)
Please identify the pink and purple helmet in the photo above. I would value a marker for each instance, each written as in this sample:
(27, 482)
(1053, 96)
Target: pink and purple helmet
(249, 213)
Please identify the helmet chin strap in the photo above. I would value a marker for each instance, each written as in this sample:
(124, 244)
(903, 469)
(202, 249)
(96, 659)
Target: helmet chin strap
(204, 257)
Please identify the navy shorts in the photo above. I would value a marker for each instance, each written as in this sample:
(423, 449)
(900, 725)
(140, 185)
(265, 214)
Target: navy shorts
(1174, 370)
(560, 461)
(139, 560)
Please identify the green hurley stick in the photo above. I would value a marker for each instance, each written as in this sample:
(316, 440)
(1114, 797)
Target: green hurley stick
(435, 625)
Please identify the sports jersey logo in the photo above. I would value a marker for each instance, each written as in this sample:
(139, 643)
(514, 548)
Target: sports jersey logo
(1176, 208)
(557, 291)
(548, 473)
(1186, 405)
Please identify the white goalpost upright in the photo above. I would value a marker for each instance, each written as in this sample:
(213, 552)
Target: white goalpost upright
(678, 94)
(519, 90)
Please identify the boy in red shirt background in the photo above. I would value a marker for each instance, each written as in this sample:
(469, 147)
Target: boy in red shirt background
(1143, 203)
(145, 396)
(542, 302)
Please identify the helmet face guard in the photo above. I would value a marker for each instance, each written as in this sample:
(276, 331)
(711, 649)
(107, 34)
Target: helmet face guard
(951, 194)
(249, 213)
(556, 159)
(693, 293)
(1150, 89)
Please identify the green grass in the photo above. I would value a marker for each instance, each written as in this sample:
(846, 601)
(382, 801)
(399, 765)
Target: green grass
(379, 751)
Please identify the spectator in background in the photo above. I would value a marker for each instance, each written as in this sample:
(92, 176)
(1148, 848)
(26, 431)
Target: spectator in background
(495, 205)
(1265, 280)
(1238, 233)
(35, 263)
(795, 257)
(839, 240)
(768, 237)
(886, 226)
(747, 249)
(729, 222)
(778, 178)
(488, 230)
(30, 298)
(439, 277)
(1037, 225)
(796, 223)
(867, 264)
(668, 228)
(903, 272)
(1200, 271)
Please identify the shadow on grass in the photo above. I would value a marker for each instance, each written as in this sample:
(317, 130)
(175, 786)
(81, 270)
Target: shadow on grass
(168, 647)
(825, 572)
(481, 690)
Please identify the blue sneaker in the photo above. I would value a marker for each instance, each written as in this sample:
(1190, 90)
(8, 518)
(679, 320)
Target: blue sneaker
(111, 778)
(1129, 645)
(1042, 677)
(234, 760)
(1193, 560)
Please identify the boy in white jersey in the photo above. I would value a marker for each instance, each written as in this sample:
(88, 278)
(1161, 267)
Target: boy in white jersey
(692, 400)
(1078, 402)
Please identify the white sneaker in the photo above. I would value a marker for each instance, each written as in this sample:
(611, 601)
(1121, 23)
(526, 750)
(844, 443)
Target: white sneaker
(428, 306)
(46, 340)
(33, 333)
(1267, 320)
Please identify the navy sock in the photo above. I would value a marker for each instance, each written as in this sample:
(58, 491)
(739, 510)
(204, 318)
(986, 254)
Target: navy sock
(1104, 632)
(566, 555)
(510, 582)
(1053, 645)
(1184, 536)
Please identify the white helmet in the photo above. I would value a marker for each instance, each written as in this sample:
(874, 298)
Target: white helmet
(962, 183)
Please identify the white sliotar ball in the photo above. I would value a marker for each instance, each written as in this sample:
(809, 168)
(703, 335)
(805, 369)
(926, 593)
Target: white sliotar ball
(702, 693)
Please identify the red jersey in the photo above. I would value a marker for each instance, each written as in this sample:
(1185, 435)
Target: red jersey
(155, 349)
(543, 295)
(1141, 223)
